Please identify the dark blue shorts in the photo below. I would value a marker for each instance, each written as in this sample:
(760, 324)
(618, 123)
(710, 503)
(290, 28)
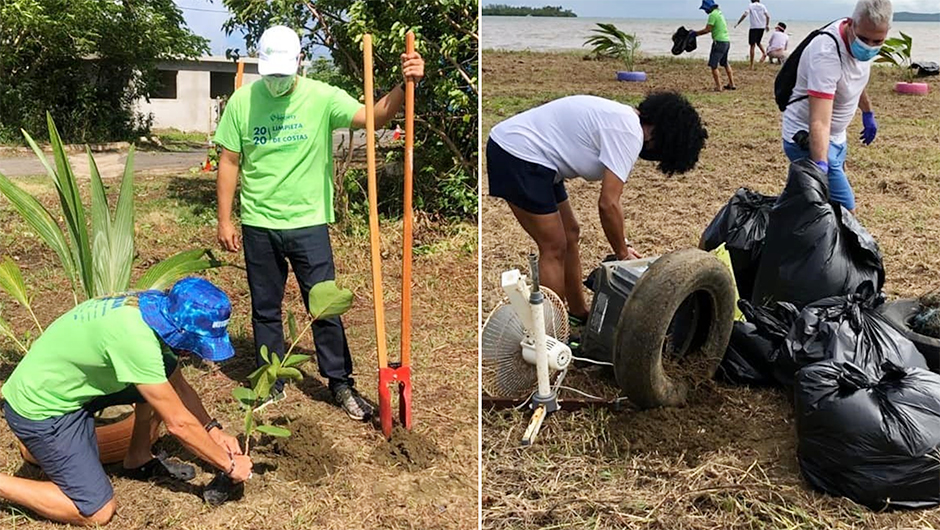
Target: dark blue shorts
(67, 451)
(66, 446)
(719, 54)
(524, 184)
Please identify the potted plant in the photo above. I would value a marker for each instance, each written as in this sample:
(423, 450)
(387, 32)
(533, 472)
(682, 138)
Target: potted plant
(610, 42)
(897, 51)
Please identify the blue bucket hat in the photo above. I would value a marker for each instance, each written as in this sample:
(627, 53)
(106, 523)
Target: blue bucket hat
(192, 317)
(707, 5)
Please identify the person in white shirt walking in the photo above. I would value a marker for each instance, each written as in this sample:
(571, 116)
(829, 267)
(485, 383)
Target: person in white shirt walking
(777, 45)
(831, 82)
(759, 19)
(529, 156)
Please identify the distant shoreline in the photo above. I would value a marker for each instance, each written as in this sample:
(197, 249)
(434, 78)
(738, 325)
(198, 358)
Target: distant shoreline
(934, 20)
(906, 16)
(501, 10)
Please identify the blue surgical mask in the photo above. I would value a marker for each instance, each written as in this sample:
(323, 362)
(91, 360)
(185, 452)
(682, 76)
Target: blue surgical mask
(864, 52)
(279, 85)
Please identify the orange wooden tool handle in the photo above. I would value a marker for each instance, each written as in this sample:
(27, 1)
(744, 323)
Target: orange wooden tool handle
(373, 204)
(407, 221)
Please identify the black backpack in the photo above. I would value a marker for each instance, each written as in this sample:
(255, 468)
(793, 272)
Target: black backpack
(786, 77)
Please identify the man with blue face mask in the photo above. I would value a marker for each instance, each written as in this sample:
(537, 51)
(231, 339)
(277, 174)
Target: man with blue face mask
(279, 134)
(830, 86)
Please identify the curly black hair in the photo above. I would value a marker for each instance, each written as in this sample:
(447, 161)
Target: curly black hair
(678, 134)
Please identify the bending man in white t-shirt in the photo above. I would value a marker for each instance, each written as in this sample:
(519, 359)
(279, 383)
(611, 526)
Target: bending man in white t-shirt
(830, 86)
(777, 45)
(529, 156)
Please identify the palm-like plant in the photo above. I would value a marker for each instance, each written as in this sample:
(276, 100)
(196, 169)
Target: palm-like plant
(97, 263)
(608, 41)
(897, 51)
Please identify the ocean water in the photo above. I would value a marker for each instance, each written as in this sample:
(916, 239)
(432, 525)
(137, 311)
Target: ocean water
(655, 35)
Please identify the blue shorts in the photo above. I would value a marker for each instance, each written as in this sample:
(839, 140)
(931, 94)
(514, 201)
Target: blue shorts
(718, 56)
(529, 186)
(840, 189)
(67, 451)
(66, 446)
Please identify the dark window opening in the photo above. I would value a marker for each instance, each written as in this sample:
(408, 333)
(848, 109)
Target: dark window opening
(221, 84)
(166, 85)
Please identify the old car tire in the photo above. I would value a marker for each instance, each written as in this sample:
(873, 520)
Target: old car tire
(643, 329)
(113, 441)
(899, 314)
(631, 76)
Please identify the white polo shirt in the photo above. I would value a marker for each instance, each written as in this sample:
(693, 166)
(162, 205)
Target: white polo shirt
(757, 15)
(820, 74)
(778, 41)
(577, 136)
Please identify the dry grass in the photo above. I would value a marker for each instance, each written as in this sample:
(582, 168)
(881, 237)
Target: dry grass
(363, 490)
(728, 460)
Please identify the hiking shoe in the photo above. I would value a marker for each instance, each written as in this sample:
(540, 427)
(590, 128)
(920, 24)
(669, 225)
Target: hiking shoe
(273, 398)
(352, 403)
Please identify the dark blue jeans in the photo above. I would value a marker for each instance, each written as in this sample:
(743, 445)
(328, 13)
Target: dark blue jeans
(267, 253)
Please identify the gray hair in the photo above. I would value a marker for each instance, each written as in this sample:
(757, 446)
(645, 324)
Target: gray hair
(878, 12)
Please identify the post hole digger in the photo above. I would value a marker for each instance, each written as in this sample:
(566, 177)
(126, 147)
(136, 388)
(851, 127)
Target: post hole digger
(661, 323)
(391, 373)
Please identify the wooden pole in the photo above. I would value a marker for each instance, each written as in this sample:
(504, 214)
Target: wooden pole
(407, 228)
(239, 74)
(373, 204)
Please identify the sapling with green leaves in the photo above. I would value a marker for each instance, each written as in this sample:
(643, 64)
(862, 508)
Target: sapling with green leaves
(326, 300)
(897, 51)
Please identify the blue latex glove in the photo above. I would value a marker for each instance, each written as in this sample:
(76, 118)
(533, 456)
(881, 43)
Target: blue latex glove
(693, 32)
(823, 165)
(869, 128)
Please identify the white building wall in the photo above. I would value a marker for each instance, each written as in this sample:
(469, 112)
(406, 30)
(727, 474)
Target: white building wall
(192, 110)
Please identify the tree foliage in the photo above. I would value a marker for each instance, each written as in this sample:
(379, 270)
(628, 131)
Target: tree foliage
(446, 146)
(85, 62)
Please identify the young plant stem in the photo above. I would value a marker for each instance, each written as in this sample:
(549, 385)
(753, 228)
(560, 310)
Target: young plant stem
(17, 341)
(36, 320)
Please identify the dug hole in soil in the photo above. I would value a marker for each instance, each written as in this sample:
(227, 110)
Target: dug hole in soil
(407, 449)
(307, 456)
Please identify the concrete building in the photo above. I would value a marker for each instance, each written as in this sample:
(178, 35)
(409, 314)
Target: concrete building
(192, 89)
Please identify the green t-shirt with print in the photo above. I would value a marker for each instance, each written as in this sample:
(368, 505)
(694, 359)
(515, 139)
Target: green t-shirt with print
(719, 26)
(286, 147)
(98, 348)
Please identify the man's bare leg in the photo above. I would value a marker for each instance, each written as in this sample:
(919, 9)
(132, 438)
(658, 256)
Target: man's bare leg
(548, 231)
(48, 501)
(146, 423)
(577, 304)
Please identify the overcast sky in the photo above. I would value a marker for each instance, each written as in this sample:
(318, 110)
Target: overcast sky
(206, 18)
(785, 9)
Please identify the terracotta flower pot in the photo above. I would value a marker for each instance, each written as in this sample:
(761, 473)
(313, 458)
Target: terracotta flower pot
(113, 441)
(911, 88)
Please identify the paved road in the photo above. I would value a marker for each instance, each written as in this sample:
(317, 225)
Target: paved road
(111, 164)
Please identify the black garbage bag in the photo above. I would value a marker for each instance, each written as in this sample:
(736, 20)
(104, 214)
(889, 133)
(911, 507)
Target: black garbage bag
(741, 225)
(813, 249)
(845, 329)
(683, 40)
(873, 440)
(748, 358)
(926, 68)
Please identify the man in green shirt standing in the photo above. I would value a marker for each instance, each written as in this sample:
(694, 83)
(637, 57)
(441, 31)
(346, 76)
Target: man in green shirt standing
(110, 351)
(721, 43)
(279, 133)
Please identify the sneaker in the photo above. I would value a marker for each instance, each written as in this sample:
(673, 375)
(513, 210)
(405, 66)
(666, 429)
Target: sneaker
(273, 398)
(352, 403)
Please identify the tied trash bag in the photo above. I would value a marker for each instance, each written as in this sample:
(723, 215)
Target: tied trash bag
(873, 440)
(754, 345)
(813, 249)
(741, 225)
(845, 329)
(683, 40)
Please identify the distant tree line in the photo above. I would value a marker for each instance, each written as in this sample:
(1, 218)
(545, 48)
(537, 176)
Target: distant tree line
(513, 11)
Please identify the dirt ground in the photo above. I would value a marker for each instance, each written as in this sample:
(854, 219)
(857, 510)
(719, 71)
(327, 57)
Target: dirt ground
(333, 473)
(728, 459)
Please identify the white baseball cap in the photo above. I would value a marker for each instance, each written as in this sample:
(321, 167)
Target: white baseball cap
(278, 51)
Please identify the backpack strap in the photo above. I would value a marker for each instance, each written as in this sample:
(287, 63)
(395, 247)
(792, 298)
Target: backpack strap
(816, 33)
